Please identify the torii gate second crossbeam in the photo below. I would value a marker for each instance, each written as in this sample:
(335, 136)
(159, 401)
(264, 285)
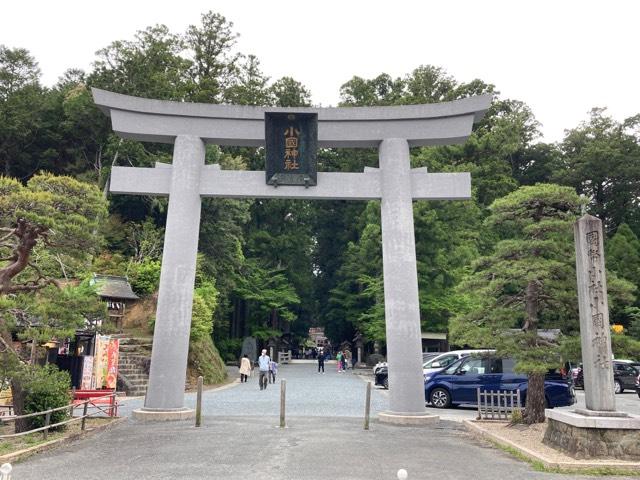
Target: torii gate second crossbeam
(190, 126)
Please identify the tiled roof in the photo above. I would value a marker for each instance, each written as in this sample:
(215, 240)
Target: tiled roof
(111, 286)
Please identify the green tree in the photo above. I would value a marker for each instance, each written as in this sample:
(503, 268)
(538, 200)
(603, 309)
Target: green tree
(271, 293)
(290, 93)
(601, 160)
(634, 327)
(250, 86)
(357, 300)
(22, 103)
(623, 254)
(214, 66)
(48, 314)
(151, 65)
(18, 69)
(528, 277)
(59, 213)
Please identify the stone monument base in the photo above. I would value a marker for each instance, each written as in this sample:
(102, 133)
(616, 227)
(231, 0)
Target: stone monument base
(164, 415)
(589, 434)
(411, 419)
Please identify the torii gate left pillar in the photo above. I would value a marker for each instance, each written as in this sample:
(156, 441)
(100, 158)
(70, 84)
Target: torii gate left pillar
(190, 126)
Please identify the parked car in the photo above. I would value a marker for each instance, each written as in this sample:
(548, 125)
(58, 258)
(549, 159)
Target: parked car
(458, 383)
(426, 356)
(382, 377)
(632, 363)
(638, 385)
(434, 364)
(624, 376)
(445, 359)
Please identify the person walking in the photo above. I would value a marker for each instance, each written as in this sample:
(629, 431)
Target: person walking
(321, 361)
(263, 365)
(347, 359)
(273, 371)
(245, 368)
(339, 359)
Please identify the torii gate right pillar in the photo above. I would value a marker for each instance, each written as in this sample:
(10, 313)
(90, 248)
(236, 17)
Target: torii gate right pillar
(401, 302)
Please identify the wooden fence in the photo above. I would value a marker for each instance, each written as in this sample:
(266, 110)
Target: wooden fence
(498, 404)
(110, 410)
(284, 357)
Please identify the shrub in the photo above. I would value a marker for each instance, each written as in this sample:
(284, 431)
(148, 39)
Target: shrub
(201, 318)
(229, 348)
(144, 277)
(205, 360)
(45, 388)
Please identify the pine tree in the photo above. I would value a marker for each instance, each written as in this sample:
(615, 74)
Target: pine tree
(529, 276)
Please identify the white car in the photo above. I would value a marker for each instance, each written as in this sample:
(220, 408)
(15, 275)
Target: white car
(447, 358)
(425, 356)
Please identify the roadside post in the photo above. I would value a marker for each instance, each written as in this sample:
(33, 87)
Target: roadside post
(283, 394)
(199, 402)
(5, 471)
(367, 406)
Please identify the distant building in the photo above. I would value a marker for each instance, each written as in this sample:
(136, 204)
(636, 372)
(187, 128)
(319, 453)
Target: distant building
(115, 291)
(316, 334)
(434, 342)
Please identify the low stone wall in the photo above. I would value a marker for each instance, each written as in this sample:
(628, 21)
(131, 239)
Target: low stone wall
(584, 443)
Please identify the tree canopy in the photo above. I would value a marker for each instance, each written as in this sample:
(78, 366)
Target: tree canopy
(281, 266)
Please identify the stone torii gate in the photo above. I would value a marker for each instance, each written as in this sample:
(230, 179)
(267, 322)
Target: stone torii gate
(191, 126)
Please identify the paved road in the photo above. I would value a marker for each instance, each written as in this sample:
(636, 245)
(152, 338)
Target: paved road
(247, 448)
(308, 394)
(324, 439)
(333, 394)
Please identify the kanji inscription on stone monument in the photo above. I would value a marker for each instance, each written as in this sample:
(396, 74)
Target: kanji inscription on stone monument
(596, 302)
(594, 315)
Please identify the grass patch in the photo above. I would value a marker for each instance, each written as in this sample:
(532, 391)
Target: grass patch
(10, 445)
(539, 466)
(205, 360)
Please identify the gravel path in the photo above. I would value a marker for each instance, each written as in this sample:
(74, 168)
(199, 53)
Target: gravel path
(308, 395)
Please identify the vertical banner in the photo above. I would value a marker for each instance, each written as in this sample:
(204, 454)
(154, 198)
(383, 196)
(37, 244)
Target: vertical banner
(87, 373)
(101, 360)
(112, 362)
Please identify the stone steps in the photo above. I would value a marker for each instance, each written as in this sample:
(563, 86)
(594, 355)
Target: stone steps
(135, 377)
(135, 354)
(134, 348)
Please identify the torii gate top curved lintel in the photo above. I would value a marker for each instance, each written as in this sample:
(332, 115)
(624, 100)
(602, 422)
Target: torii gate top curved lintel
(243, 126)
(390, 129)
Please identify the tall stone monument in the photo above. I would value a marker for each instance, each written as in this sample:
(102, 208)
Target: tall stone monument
(393, 130)
(250, 349)
(598, 430)
(595, 331)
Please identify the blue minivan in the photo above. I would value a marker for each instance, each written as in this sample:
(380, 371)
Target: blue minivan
(458, 383)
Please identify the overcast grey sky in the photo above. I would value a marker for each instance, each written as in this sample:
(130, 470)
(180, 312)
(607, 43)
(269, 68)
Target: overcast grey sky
(561, 57)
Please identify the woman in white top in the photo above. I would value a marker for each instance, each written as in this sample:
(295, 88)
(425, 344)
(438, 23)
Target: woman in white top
(245, 369)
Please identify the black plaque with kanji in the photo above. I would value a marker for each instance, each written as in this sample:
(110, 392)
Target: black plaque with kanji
(291, 141)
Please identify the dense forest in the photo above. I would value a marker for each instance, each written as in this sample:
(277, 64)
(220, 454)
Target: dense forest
(268, 267)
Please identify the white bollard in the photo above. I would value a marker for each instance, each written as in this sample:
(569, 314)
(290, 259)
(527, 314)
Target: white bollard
(5, 471)
(402, 474)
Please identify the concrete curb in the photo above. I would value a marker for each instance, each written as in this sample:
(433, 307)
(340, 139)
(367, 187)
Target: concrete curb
(392, 418)
(477, 430)
(143, 415)
(14, 457)
(219, 388)
(216, 388)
